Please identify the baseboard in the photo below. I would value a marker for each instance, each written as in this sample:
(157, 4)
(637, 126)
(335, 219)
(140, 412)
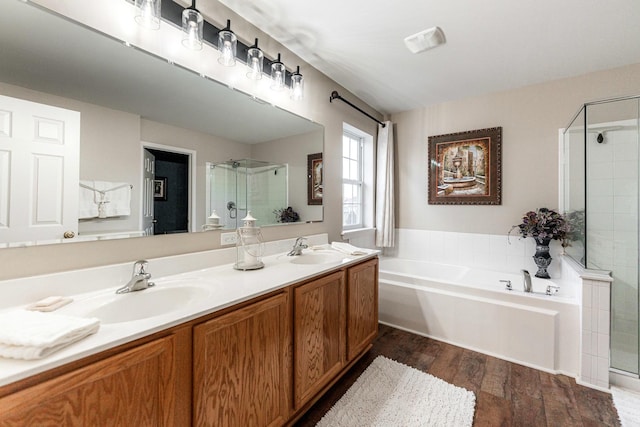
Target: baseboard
(624, 380)
(497, 356)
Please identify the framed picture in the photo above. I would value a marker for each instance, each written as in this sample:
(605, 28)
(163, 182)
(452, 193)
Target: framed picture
(314, 179)
(160, 188)
(465, 168)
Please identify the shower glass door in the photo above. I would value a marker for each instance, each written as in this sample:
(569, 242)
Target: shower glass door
(612, 187)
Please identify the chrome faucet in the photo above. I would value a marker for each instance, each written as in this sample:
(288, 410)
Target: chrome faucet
(298, 246)
(139, 279)
(527, 281)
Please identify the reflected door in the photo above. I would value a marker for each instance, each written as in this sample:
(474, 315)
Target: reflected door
(38, 202)
(148, 175)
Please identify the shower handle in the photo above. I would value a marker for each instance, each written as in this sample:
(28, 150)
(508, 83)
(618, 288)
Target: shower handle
(231, 207)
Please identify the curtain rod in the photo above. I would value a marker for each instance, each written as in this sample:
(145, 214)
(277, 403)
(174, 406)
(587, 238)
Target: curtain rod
(336, 95)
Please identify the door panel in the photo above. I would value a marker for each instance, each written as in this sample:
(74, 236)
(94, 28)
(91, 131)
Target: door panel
(38, 202)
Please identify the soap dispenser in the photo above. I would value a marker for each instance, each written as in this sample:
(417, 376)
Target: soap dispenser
(250, 246)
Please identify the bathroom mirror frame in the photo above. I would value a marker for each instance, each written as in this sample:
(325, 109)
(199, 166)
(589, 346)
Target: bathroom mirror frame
(267, 117)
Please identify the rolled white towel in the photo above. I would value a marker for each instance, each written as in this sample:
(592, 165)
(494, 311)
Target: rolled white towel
(348, 249)
(33, 335)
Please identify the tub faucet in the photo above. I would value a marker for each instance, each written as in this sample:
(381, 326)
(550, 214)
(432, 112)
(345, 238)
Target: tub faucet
(298, 246)
(139, 279)
(527, 281)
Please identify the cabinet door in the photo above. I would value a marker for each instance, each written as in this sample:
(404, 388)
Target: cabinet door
(134, 388)
(319, 336)
(242, 366)
(362, 307)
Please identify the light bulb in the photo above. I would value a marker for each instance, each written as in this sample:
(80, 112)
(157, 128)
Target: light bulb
(148, 13)
(278, 75)
(297, 86)
(227, 44)
(192, 27)
(255, 72)
(254, 62)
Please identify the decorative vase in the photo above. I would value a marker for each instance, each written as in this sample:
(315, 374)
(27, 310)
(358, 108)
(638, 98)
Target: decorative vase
(542, 258)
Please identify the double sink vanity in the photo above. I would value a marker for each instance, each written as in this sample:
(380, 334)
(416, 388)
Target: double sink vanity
(206, 345)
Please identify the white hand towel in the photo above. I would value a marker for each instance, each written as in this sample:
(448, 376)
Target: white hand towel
(348, 249)
(87, 207)
(34, 335)
(117, 197)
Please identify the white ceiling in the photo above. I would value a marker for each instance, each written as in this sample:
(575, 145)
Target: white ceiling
(492, 45)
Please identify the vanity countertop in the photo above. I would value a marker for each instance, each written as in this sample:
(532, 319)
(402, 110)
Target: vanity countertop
(222, 286)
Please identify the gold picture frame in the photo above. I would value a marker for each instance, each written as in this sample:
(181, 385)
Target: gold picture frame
(465, 168)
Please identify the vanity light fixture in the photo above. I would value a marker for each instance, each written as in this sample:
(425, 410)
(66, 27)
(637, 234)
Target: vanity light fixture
(255, 61)
(148, 13)
(297, 85)
(227, 44)
(278, 75)
(192, 27)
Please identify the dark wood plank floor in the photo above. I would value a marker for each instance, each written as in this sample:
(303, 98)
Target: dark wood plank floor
(507, 394)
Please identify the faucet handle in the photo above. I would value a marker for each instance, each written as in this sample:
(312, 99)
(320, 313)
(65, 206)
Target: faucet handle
(552, 289)
(507, 284)
(139, 266)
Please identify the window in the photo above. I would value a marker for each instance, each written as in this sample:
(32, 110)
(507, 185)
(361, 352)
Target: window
(352, 180)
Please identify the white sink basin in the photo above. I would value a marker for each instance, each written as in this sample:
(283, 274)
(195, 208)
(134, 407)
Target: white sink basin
(317, 258)
(151, 302)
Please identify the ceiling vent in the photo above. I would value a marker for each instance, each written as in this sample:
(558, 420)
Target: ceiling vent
(425, 40)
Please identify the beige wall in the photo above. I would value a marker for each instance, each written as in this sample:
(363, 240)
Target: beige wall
(530, 118)
(293, 151)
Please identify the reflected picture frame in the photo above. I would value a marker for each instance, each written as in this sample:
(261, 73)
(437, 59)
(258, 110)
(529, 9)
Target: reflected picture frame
(314, 179)
(465, 168)
(160, 188)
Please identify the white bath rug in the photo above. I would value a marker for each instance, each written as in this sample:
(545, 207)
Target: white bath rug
(390, 394)
(627, 403)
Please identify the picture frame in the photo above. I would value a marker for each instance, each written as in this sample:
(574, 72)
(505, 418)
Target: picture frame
(160, 188)
(465, 168)
(314, 179)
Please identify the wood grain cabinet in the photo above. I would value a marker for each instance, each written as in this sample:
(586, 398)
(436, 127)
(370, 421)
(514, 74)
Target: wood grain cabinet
(242, 366)
(133, 388)
(362, 307)
(319, 334)
(262, 363)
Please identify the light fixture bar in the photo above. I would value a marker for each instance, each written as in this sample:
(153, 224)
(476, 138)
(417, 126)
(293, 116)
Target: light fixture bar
(172, 13)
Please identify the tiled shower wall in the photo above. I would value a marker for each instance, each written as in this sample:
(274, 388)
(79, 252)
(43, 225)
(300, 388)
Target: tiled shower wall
(612, 242)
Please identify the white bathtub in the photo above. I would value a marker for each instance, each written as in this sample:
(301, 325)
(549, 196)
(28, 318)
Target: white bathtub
(471, 308)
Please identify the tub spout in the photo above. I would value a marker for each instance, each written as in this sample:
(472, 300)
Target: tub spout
(527, 280)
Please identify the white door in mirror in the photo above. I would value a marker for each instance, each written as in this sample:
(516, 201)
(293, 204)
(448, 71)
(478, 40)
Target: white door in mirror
(40, 202)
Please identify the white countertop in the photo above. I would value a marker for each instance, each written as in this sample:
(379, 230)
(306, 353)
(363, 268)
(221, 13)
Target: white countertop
(224, 287)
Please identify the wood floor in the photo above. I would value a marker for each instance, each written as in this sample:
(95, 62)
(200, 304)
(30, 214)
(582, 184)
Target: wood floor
(507, 394)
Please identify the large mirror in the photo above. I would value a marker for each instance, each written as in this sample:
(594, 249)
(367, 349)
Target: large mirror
(148, 131)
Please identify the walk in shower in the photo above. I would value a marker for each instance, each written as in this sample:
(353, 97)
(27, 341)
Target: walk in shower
(601, 186)
(235, 187)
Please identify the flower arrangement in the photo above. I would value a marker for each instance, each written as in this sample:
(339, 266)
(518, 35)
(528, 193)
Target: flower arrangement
(543, 224)
(286, 215)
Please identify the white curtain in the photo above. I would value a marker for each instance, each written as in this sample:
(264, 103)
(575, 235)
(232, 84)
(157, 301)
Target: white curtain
(385, 221)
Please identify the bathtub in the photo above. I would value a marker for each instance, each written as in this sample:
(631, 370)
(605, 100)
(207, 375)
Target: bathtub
(471, 308)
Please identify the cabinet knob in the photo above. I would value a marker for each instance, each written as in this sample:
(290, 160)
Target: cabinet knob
(69, 235)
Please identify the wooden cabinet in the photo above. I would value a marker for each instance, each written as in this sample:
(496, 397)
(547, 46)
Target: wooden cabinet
(262, 363)
(242, 366)
(362, 306)
(319, 334)
(136, 387)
